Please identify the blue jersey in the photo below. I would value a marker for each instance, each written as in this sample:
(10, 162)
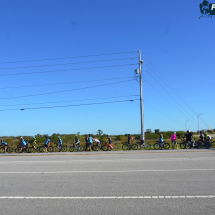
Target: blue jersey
(23, 142)
(4, 143)
(90, 139)
(47, 141)
(161, 140)
(60, 142)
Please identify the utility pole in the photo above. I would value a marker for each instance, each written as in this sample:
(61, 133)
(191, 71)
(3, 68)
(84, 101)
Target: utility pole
(198, 122)
(186, 125)
(141, 98)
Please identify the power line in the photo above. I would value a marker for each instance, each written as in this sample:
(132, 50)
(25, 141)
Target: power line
(169, 85)
(163, 113)
(63, 64)
(74, 82)
(66, 70)
(71, 100)
(63, 58)
(164, 96)
(63, 91)
(62, 106)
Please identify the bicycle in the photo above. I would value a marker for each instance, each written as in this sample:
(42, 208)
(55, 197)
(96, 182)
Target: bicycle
(184, 144)
(8, 150)
(59, 148)
(138, 146)
(76, 147)
(108, 148)
(164, 145)
(97, 147)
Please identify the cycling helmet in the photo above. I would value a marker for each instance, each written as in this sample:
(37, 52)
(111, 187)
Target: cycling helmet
(174, 132)
(58, 137)
(33, 137)
(75, 135)
(21, 138)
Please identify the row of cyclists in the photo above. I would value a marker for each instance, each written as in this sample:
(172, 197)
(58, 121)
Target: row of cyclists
(89, 140)
(204, 137)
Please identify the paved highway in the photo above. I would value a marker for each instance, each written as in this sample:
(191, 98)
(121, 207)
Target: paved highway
(132, 182)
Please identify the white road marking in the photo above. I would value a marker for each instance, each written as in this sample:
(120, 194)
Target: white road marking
(109, 171)
(107, 197)
(109, 160)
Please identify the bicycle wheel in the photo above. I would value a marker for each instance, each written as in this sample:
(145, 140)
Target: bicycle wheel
(71, 149)
(125, 147)
(147, 147)
(183, 145)
(166, 146)
(50, 149)
(64, 149)
(9, 150)
(134, 146)
(115, 147)
(95, 147)
(156, 146)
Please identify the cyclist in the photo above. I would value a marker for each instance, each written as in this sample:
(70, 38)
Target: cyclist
(23, 144)
(173, 139)
(26, 140)
(34, 143)
(5, 146)
(109, 141)
(129, 141)
(141, 143)
(209, 138)
(60, 143)
(46, 144)
(201, 137)
(160, 141)
(188, 137)
(96, 141)
(90, 139)
(87, 142)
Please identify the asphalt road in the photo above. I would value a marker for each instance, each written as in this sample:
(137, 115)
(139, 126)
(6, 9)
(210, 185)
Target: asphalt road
(132, 182)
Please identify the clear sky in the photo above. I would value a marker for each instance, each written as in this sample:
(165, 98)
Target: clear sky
(89, 50)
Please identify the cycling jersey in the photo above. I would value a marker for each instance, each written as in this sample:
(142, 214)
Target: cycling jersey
(188, 136)
(209, 138)
(97, 141)
(23, 143)
(109, 139)
(3, 143)
(60, 142)
(161, 140)
(173, 137)
(47, 141)
(129, 139)
(201, 137)
(35, 142)
(90, 140)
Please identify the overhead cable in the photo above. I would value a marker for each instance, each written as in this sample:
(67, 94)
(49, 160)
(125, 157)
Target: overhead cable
(63, 106)
(66, 70)
(63, 58)
(63, 91)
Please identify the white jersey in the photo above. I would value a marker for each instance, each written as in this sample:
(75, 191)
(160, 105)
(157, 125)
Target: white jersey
(96, 140)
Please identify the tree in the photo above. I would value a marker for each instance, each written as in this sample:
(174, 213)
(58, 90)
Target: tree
(157, 131)
(99, 133)
(148, 131)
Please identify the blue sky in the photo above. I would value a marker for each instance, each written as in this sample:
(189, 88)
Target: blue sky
(179, 46)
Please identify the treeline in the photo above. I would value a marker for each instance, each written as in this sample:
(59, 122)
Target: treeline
(70, 138)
